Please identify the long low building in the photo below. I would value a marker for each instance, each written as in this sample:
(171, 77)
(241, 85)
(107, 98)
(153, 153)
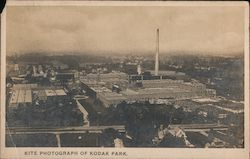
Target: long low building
(107, 96)
(26, 93)
(147, 90)
(46, 94)
(158, 93)
(20, 97)
(24, 86)
(167, 88)
(111, 98)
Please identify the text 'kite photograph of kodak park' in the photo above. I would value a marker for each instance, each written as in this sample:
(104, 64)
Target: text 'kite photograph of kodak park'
(125, 76)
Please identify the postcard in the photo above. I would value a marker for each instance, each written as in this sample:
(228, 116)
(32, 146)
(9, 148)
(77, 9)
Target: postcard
(124, 80)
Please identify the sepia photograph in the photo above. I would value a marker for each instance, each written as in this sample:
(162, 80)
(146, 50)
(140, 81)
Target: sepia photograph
(83, 80)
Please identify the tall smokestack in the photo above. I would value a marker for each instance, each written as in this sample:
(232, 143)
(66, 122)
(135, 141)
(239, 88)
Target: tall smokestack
(157, 54)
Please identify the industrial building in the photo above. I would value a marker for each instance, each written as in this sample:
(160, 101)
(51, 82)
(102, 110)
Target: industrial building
(107, 80)
(150, 89)
(138, 87)
(108, 77)
(26, 93)
(66, 76)
(20, 97)
(24, 86)
(21, 94)
(51, 94)
(111, 98)
(107, 96)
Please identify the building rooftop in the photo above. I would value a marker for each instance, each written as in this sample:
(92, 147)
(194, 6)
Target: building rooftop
(21, 96)
(120, 75)
(162, 81)
(99, 89)
(50, 92)
(167, 73)
(58, 92)
(14, 97)
(24, 86)
(129, 92)
(113, 96)
(161, 90)
(28, 96)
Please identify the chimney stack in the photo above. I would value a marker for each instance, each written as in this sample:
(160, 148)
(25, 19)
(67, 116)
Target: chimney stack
(157, 54)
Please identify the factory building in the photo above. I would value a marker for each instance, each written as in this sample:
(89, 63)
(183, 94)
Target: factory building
(136, 85)
(104, 94)
(210, 92)
(177, 89)
(21, 94)
(159, 93)
(20, 97)
(67, 76)
(130, 68)
(107, 96)
(162, 75)
(25, 94)
(110, 98)
(149, 89)
(51, 94)
(24, 86)
(107, 79)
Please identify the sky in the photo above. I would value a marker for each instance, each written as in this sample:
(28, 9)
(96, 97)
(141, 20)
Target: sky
(125, 30)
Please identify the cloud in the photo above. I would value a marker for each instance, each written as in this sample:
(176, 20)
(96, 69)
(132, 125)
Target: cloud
(99, 29)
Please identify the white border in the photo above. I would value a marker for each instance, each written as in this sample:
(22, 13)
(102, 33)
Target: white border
(165, 153)
(121, 3)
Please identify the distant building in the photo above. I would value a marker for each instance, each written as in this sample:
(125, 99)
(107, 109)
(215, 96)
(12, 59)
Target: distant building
(24, 94)
(107, 97)
(16, 67)
(24, 86)
(142, 90)
(176, 89)
(114, 76)
(85, 113)
(20, 97)
(51, 94)
(21, 94)
(66, 76)
(110, 98)
(210, 92)
(60, 66)
(106, 79)
(87, 64)
(130, 68)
